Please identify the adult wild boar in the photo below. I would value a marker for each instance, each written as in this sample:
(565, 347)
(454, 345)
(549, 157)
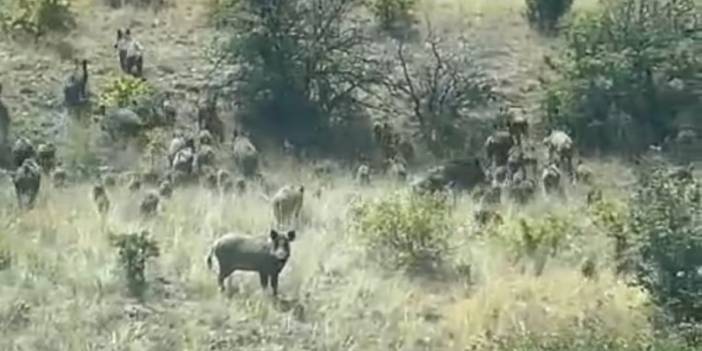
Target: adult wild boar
(497, 147)
(239, 252)
(287, 203)
(464, 173)
(245, 155)
(27, 179)
(22, 150)
(561, 150)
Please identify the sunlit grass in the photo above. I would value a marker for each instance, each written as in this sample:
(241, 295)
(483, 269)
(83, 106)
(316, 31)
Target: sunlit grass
(333, 296)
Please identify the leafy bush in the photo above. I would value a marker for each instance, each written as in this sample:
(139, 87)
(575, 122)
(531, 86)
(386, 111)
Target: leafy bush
(666, 225)
(36, 17)
(611, 217)
(628, 70)
(390, 13)
(302, 65)
(538, 238)
(123, 91)
(135, 249)
(156, 146)
(545, 14)
(405, 230)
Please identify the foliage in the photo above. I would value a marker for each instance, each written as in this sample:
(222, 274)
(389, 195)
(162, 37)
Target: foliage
(545, 14)
(628, 69)
(156, 146)
(124, 91)
(435, 85)
(36, 17)
(667, 232)
(405, 230)
(390, 13)
(610, 216)
(134, 250)
(539, 238)
(302, 65)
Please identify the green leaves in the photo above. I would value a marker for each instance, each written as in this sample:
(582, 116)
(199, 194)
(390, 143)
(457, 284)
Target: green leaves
(404, 230)
(134, 250)
(36, 17)
(619, 60)
(122, 91)
(666, 228)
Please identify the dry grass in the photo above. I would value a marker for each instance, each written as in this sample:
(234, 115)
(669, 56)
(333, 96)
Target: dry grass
(63, 291)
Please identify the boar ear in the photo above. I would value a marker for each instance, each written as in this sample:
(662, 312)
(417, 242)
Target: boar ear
(291, 235)
(274, 235)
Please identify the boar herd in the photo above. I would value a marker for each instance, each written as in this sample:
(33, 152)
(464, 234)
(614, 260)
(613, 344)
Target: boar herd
(509, 165)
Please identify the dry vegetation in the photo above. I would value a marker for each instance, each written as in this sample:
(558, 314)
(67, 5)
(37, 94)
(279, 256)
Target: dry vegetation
(62, 288)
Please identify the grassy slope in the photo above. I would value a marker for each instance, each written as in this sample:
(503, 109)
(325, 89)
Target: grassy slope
(62, 293)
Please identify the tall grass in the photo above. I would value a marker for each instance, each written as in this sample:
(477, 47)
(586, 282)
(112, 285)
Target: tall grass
(63, 290)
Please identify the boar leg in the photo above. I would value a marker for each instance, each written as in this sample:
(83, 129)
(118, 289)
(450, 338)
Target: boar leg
(264, 280)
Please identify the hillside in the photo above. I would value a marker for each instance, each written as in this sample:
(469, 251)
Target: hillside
(372, 267)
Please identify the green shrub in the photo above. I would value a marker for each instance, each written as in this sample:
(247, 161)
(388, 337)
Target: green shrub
(156, 146)
(123, 91)
(611, 217)
(666, 228)
(390, 13)
(618, 74)
(135, 249)
(538, 238)
(545, 14)
(36, 17)
(404, 229)
(302, 66)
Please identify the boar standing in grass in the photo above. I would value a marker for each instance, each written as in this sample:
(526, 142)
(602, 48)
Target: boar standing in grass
(149, 205)
(27, 179)
(59, 177)
(561, 150)
(134, 60)
(22, 150)
(46, 157)
(102, 201)
(207, 118)
(363, 174)
(240, 186)
(583, 173)
(134, 184)
(518, 127)
(287, 203)
(551, 179)
(165, 189)
(245, 155)
(177, 143)
(238, 252)
(497, 147)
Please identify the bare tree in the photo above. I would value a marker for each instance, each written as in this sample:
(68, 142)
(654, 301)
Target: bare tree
(434, 86)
